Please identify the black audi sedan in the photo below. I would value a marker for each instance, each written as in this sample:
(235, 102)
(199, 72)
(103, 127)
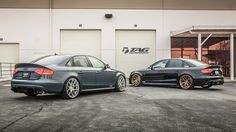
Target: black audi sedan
(67, 75)
(186, 73)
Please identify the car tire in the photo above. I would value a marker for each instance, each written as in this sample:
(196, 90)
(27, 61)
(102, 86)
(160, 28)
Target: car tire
(31, 94)
(186, 82)
(206, 86)
(120, 83)
(136, 80)
(71, 88)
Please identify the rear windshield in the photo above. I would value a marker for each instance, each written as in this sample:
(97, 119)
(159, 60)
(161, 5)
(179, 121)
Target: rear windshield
(48, 60)
(196, 62)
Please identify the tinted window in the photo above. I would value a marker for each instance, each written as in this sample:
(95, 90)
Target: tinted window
(70, 63)
(160, 64)
(196, 62)
(185, 64)
(50, 60)
(96, 63)
(81, 61)
(175, 63)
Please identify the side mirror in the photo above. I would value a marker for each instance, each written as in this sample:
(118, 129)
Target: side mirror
(107, 66)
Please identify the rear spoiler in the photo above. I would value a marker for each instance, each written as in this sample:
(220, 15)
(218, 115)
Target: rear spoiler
(28, 65)
(214, 66)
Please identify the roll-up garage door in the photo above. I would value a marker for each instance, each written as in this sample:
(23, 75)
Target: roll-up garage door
(86, 42)
(9, 53)
(135, 49)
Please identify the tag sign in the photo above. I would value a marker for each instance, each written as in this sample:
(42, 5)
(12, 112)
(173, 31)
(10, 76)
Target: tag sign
(135, 50)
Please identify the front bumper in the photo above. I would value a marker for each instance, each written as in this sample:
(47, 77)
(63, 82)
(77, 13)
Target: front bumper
(48, 86)
(209, 80)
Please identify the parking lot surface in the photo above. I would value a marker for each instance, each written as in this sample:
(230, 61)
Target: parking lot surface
(147, 108)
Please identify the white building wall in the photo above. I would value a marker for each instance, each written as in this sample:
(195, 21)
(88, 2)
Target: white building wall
(30, 27)
(175, 20)
(94, 19)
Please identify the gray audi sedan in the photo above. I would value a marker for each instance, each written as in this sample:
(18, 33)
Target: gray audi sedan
(67, 75)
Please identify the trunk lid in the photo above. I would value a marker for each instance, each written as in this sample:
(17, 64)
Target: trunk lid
(26, 71)
(213, 70)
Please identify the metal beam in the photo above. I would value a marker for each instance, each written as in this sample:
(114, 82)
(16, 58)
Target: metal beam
(206, 39)
(232, 56)
(200, 46)
(213, 32)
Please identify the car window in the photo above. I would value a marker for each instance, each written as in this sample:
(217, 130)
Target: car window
(81, 61)
(70, 63)
(185, 64)
(160, 64)
(196, 62)
(175, 63)
(47, 60)
(96, 62)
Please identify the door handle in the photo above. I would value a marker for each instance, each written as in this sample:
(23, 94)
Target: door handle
(98, 72)
(81, 72)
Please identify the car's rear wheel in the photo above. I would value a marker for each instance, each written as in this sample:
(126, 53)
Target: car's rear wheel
(71, 88)
(206, 86)
(30, 93)
(136, 80)
(120, 84)
(186, 82)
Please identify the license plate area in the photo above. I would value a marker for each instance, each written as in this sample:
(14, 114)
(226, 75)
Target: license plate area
(217, 73)
(25, 75)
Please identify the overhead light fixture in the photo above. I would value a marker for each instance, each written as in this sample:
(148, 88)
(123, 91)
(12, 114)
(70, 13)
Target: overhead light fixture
(108, 16)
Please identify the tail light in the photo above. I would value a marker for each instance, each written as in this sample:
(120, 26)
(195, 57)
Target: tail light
(15, 71)
(208, 70)
(44, 72)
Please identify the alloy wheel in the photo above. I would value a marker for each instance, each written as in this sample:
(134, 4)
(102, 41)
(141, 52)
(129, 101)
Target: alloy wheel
(136, 80)
(121, 83)
(72, 87)
(186, 82)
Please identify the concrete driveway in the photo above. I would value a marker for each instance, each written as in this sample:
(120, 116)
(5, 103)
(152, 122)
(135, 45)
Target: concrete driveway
(147, 108)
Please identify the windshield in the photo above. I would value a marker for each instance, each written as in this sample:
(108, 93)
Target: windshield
(48, 60)
(197, 62)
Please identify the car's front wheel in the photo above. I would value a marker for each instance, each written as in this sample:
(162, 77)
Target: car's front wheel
(120, 83)
(71, 88)
(186, 82)
(136, 80)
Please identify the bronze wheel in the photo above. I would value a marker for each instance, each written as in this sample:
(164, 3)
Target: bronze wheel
(136, 80)
(186, 82)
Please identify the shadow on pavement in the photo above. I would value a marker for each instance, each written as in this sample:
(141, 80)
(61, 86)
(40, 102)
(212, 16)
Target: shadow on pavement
(160, 86)
(51, 97)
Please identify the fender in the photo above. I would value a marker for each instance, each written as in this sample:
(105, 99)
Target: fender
(119, 73)
(182, 73)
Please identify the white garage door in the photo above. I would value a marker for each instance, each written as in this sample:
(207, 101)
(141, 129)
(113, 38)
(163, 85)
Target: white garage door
(134, 50)
(86, 42)
(9, 53)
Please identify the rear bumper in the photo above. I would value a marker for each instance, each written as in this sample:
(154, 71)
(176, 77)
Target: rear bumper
(209, 80)
(48, 86)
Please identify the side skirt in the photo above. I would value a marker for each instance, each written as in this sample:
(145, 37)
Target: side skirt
(97, 89)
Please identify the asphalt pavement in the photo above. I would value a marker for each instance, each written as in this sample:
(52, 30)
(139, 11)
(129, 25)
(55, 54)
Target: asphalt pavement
(148, 108)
